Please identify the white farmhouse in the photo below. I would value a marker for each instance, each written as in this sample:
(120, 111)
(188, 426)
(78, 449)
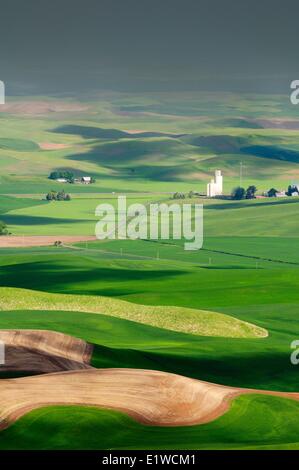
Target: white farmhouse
(86, 179)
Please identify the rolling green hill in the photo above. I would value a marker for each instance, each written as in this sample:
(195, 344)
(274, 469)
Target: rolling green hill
(257, 218)
(254, 422)
(266, 297)
(172, 318)
(150, 304)
(164, 143)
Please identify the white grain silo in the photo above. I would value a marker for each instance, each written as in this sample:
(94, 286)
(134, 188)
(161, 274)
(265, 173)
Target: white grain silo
(215, 187)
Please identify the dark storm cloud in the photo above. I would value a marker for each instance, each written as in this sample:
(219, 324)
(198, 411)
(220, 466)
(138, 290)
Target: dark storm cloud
(140, 44)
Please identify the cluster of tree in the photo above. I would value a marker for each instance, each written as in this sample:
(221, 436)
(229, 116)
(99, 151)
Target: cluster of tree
(292, 189)
(67, 175)
(3, 229)
(272, 192)
(58, 196)
(189, 195)
(179, 196)
(242, 193)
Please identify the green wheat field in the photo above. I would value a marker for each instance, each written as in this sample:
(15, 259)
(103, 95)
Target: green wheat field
(225, 314)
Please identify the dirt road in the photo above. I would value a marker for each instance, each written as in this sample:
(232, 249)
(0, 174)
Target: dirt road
(13, 241)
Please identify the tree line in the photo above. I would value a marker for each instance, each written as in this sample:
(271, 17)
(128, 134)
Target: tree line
(58, 196)
(242, 193)
(249, 193)
(3, 228)
(66, 175)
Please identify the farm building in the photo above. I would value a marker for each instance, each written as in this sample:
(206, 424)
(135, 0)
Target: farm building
(86, 180)
(215, 187)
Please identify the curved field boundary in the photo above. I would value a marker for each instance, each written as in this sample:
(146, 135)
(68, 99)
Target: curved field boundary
(181, 319)
(150, 397)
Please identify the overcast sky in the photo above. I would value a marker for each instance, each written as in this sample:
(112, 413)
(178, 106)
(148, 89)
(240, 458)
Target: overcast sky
(149, 44)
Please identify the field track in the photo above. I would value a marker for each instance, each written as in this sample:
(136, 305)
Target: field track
(13, 241)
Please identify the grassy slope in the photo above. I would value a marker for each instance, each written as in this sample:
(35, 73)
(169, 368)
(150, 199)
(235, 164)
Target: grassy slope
(266, 218)
(10, 204)
(253, 422)
(255, 295)
(255, 363)
(253, 218)
(182, 319)
(76, 217)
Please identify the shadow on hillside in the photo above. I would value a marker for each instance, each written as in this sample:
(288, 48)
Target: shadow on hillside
(133, 159)
(220, 143)
(274, 153)
(227, 144)
(253, 368)
(89, 132)
(13, 219)
(65, 276)
(244, 204)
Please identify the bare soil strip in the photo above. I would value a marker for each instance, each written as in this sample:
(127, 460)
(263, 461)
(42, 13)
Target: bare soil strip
(150, 397)
(43, 351)
(36, 107)
(51, 146)
(14, 241)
